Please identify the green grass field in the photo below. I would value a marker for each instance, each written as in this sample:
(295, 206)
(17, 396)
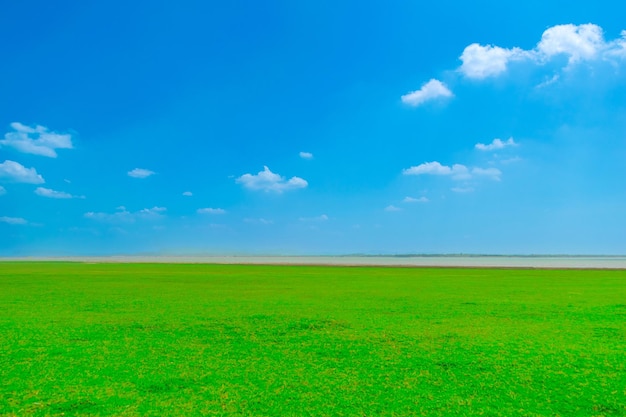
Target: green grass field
(240, 340)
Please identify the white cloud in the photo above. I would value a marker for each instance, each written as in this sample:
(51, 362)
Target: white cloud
(266, 180)
(125, 216)
(492, 173)
(486, 61)
(306, 155)
(12, 220)
(432, 90)
(3, 190)
(581, 42)
(47, 192)
(496, 144)
(415, 200)
(209, 210)
(16, 172)
(140, 173)
(576, 42)
(462, 189)
(391, 207)
(321, 218)
(457, 171)
(187, 193)
(36, 140)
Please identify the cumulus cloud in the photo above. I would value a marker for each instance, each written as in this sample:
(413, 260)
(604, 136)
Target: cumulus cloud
(575, 42)
(16, 172)
(37, 140)
(187, 193)
(581, 42)
(496, 144)
(140, 173)
(432, 90)
(12, 220)
(306, 155)
(266, 180)
(415, 200)
(209, 210)
(47, 192)
(486, 61)
(125, 216)
(456, 171)
(391, 207)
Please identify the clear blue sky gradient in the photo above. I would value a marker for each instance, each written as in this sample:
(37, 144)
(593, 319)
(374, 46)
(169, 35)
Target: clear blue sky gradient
(110, 111)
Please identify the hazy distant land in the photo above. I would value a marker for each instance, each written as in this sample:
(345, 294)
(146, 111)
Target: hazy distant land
(490, 261)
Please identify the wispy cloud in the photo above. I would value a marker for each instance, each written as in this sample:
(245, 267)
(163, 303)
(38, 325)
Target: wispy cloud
(187, 193)
(258, 221)
(306, 155)
(408, 199)
(125, 216)
(37, 140)
(16, 172)
(462, 189)
(456, 171)
(13, 220)
(266, 180)
(321, 218)
(47, 192)
(209, 210)
(140, 173)
(3, 190)
(496, 144)
(391, 207)
(433, 89)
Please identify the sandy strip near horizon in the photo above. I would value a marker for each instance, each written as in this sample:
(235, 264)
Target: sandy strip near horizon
(559, 262)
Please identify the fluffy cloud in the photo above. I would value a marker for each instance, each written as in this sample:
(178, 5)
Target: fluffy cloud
(36, 140)
(266, 180)
(495, 145)
(306, 155)
(209, 210)
(415, 200)
(456, 171)
(47, 192)
(486, 61)
(432, 90)
(187, 193)
(582, 42)
(140, 173)
(125, 216)
(16, 172)
(575, 42)
(12, 220)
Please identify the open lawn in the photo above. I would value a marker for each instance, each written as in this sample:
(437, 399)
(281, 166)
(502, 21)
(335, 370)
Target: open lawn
(81, 339)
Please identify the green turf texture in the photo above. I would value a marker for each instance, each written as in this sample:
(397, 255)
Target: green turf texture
(241, 340)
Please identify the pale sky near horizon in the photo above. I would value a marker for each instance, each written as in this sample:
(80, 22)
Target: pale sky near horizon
(312, 128)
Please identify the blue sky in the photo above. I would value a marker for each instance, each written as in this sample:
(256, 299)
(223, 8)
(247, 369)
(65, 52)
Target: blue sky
(312, 127)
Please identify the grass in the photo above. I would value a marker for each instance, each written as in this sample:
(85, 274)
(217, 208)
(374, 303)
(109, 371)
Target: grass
(200, 340)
